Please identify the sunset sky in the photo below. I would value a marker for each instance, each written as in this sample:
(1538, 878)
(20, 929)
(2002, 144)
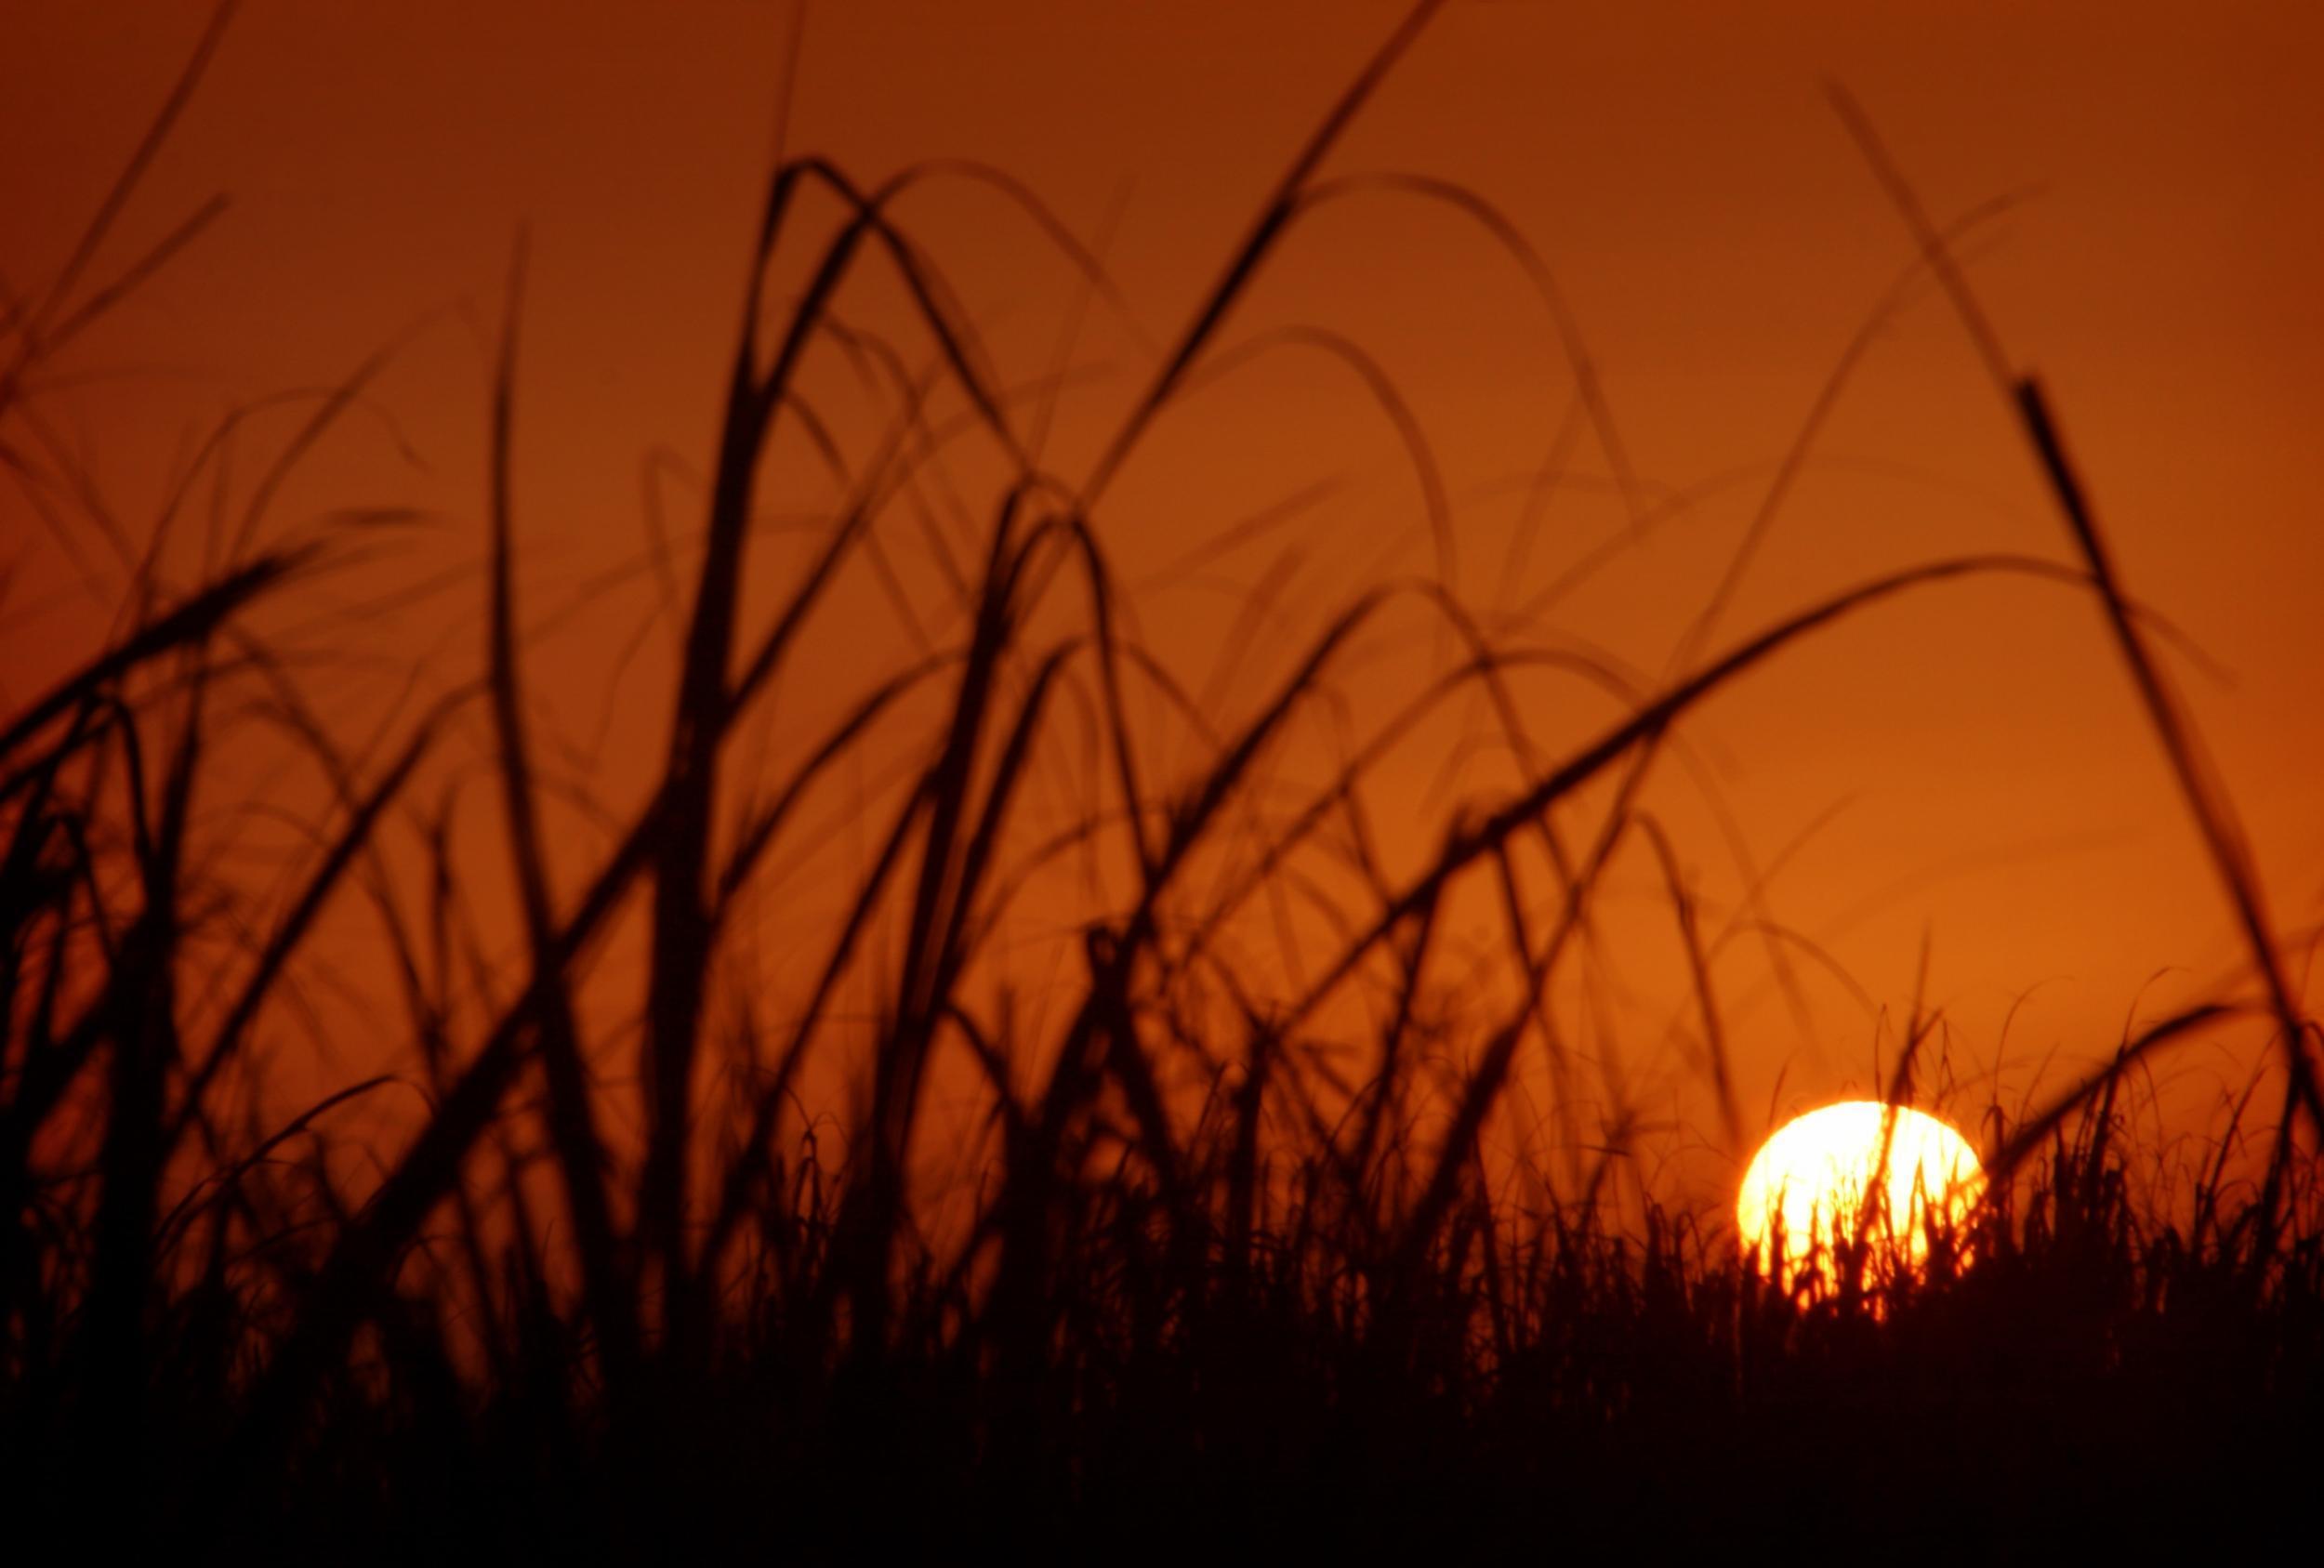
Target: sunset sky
(1972, 762)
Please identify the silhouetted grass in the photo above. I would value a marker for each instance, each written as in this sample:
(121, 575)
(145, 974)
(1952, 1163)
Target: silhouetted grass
(1210, 1293)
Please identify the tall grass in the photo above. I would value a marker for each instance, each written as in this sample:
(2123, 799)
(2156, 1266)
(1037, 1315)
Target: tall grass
(1205, 1272)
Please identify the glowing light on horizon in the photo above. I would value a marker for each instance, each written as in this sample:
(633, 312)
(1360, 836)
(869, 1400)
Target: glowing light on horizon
(1811, 1180)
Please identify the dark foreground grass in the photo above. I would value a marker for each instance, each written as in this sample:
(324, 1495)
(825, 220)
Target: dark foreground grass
(2077, 1387)
(1213, 1292)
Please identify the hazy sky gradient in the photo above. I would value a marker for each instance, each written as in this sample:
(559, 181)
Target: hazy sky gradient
(1713, 229)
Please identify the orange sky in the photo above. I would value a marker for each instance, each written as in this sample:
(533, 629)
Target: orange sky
(1715, 232)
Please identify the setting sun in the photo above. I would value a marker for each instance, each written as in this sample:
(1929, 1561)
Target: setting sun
(1809, 1180)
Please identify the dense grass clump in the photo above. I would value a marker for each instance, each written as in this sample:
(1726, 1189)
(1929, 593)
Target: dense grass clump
(1237, 1262)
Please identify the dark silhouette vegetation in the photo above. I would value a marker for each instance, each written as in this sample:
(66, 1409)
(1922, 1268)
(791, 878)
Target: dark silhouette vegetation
(1293, 1314)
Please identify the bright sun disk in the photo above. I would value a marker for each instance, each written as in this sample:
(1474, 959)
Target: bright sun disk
(1813, 1175)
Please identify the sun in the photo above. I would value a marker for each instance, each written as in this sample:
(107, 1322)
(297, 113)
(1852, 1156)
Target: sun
(1810, 1180)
